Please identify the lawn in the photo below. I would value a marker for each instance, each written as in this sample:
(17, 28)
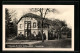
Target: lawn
(62, 43)
(65, 43)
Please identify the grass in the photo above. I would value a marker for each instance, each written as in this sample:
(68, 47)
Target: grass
(62, 43)
(55, 44)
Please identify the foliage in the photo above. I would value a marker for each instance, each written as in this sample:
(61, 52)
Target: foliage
(8, 22)
(21, 37)
(11, 27)
(31, 37)
(39, 36)
(15, 26)
(66, 31)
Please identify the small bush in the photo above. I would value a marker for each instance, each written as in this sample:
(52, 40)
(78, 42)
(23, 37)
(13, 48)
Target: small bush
(21, 37)
(39, 36)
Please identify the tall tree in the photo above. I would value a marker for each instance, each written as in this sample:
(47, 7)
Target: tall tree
(43, 12)
(15, 26)
(8, 19)
(58, 24)
(9, 22)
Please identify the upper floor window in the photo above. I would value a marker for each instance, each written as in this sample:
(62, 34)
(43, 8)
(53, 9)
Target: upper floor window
(34, 25)
(25, 25)
(20, 26)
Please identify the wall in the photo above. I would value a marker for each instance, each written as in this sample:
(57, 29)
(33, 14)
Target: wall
(22, 25)
(46, 33)
(21, 29)
(32, 28)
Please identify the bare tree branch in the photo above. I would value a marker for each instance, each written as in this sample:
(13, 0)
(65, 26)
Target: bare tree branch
(41, 11)
(46, 12)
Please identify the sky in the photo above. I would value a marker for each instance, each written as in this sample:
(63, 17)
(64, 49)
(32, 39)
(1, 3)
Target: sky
(66, 12)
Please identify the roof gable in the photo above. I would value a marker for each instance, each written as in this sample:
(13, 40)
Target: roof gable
(38, 18)
(32, 16)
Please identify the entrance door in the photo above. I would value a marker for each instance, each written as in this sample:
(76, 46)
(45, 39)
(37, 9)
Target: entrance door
(28, 28)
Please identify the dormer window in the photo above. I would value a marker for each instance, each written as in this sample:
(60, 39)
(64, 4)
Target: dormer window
(34, 25)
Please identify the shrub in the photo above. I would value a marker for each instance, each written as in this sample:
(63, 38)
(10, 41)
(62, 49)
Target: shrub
(21, 37)
(39, 36)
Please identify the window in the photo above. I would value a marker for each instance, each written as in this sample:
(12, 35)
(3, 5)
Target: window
(20, 26)
(34, 25)
(25, 25)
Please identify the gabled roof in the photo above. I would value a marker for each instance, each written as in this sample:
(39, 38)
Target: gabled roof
(37, 17)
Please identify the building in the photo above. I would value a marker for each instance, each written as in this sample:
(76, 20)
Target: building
(30, 24)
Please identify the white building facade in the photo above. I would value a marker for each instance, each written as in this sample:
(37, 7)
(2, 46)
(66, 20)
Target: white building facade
(28, 26)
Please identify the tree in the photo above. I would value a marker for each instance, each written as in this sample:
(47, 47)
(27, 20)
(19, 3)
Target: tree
(58, 24)
(66, 31)
(9, 23)
(43, 12)
(8, 19)
(15, 26)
